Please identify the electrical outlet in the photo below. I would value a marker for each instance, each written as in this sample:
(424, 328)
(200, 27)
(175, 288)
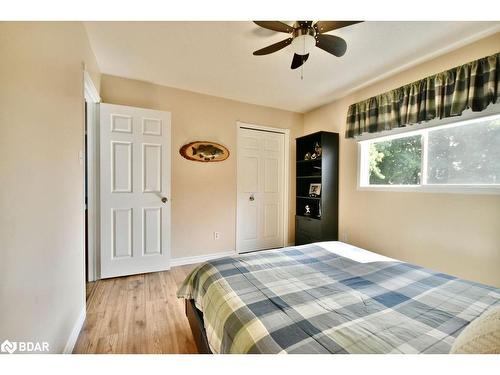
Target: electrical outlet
(216, 235)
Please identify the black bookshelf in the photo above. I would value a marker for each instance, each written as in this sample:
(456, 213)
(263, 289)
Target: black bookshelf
(321, 224)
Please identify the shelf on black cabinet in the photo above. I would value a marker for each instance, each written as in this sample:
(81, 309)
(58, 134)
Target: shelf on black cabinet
(310, 217)
(308, 161)
(304, 197)
(318, 176)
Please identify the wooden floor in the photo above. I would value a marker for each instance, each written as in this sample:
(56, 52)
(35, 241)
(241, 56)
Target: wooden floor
(137, 314)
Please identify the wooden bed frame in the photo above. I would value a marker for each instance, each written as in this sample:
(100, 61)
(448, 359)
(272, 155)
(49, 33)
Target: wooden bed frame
(195, 318)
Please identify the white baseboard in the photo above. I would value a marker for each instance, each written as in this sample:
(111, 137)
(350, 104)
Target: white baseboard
(199, 258)
(70, 344)
(204, 258)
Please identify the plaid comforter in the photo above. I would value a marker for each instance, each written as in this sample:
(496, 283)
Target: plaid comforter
(310, 300)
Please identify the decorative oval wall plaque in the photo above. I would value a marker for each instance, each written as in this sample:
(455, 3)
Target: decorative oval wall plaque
(204, 151)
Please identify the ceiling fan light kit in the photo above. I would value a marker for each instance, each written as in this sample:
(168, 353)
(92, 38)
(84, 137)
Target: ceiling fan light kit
(304, 37)
(303, 40)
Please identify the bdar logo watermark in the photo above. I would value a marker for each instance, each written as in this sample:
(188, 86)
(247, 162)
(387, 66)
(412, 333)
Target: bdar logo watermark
(8, 347)
(24, 347)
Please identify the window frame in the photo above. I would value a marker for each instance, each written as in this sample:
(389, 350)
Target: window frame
(423, 130)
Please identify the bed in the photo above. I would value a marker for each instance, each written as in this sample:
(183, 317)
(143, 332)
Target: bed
(328, 297)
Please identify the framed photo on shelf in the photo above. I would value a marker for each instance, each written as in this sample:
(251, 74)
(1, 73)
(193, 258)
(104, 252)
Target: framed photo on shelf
(315, 190)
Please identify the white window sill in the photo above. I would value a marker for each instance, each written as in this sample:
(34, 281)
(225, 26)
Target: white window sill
(447, 189)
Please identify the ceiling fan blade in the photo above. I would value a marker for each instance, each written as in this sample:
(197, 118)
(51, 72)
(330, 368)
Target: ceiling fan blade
(325, 26)
(331, 44)
(275, 26)
(273, 47)
(298, 60)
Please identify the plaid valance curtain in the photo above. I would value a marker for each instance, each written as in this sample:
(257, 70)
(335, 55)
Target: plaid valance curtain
(474, 85)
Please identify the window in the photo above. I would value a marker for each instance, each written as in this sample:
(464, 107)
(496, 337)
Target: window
(464, 154)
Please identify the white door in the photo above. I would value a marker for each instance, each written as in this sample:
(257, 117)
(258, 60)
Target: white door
(135, 190)
(260, 190)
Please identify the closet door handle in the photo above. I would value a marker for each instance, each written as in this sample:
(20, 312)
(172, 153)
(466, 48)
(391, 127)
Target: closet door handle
(252, 198)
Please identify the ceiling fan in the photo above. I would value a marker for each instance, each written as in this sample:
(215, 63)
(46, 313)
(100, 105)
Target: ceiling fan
(304, 36)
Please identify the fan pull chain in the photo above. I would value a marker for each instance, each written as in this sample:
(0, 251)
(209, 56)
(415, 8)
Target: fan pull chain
(302, 58)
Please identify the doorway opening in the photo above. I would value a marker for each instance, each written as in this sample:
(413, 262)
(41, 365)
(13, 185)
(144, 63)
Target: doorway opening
(90, 159)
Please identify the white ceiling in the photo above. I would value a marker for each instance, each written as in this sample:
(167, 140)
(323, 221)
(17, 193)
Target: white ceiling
(216, 57)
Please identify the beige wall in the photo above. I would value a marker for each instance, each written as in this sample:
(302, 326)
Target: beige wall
(454, 233)
(203, 194)
(41, 191)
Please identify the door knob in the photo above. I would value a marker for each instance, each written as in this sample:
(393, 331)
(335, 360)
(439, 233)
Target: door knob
(252, 198)
(164, 199)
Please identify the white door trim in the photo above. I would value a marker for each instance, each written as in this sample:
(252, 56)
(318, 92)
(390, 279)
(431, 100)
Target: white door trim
(93, 99)
(286, 171)
(90, 89)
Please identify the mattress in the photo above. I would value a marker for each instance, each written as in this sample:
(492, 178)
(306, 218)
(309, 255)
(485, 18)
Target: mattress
(331, 297)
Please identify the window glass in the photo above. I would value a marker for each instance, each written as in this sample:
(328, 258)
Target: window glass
(468, 154)
(396, 162)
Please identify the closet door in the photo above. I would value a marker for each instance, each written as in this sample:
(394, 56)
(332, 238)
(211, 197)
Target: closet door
(260, 190)
(135, 190)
